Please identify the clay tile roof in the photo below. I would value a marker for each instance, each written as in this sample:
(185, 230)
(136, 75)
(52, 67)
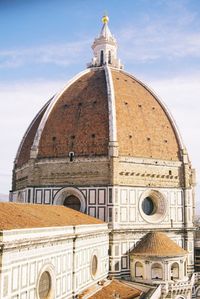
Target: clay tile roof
(157, 244)
(21, 216)
(125, 291)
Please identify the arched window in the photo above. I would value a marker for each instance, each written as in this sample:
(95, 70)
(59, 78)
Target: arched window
(109, 57)
(101, 57)
(156, 271)
(175, 271)
(72, 202)
(139, 270)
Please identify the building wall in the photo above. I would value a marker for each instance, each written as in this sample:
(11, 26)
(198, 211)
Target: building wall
(59, 172)
(120, 206)
(26, 255)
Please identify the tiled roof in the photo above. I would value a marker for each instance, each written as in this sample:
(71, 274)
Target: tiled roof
(20, 216)
(157, 244)
(113, 288)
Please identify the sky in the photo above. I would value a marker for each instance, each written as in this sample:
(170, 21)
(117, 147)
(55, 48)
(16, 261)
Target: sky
(44, 43)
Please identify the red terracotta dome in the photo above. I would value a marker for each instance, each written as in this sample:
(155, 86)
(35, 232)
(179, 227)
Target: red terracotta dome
(100, 108)
(79, 120)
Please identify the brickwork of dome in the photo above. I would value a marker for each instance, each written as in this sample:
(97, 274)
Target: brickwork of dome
(79, 121)
(23, 154)
(143, 127)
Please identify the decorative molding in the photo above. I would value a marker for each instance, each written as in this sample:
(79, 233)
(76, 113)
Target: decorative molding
(112, 112)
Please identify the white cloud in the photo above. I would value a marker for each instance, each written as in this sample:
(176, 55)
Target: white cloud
(167, 37)
(19, 104)
(59, 54)
(182, 96)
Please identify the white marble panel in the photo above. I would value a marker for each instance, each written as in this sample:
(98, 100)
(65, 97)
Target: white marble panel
(132, 196)
(123, 214)
(15, 278)
(24, 275)
(124, 198)
(132, 214)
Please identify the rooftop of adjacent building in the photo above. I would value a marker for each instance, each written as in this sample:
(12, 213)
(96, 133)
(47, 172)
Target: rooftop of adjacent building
(111, 289)
(21, 216)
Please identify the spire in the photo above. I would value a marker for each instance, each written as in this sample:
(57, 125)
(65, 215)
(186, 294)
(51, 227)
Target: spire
(105, 48)
(105, 31)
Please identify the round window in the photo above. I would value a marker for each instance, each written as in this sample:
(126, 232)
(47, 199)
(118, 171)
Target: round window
(148, 206)
(44, 285)
(94, 265)
(153, 206)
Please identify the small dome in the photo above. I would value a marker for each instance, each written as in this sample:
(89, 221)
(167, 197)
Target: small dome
(157, 244)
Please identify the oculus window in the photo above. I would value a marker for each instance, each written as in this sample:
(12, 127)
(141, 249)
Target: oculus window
(94, 265)
(148, 206)
(44, 287)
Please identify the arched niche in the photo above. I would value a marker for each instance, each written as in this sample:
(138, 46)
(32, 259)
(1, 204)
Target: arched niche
(139, 270)
(175, 271)
(70, 197)
(157, 271)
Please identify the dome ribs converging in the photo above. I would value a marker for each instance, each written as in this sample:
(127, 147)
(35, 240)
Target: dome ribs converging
(143, 127)
(79, 120)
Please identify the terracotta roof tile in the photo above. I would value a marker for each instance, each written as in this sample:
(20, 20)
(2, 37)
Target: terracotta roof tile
(125, 291)
(157, 244)
(20, 216)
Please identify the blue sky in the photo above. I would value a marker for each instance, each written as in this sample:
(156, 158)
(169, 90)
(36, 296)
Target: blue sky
(156, 37)
(44, 43)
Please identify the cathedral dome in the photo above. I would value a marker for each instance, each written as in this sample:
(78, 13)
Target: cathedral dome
(102, 105)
